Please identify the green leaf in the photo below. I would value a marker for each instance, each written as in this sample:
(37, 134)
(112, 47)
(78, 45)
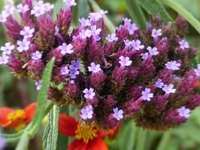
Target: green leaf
(23, 143)
(50, 135)
(126, 138)
(136, 13)
(155, 8)
(183, 12)
(57, 6)
(83, 8)
(164, 141)
(42, 109)
(42, 95)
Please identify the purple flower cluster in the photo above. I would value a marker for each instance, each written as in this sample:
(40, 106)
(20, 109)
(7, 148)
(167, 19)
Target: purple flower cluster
(131, 73)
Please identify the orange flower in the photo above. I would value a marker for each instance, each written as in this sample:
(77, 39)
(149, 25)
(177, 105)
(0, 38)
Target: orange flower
(87, 135)
(16, 118)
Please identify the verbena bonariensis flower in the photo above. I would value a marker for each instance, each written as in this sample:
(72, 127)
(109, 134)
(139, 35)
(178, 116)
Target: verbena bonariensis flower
(131, 73)
(16, 118)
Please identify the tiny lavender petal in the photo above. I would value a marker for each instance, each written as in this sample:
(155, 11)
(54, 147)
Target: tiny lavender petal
(156, 33)
(27, 32)
(184, 112)
(184, 44)
(36, 55)
(159, 84)
(89, 93)
(22, 8)
(8, 48)
(125, 61)
(94, 68)
(169, 89)
(118, 113)
(173, 65)
(64, 70)
(86, 112)
(23, 45)
(153, 51)
(66, 49)
(112, 37)
(147, 95)
(197, 70)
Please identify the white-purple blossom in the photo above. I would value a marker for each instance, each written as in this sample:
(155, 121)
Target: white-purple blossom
(153, 51)
(85, 33)
(118, 113)
(27, 32)
(173, 65)
(184, 112)
(23, 45)
(197, 70)
(94, 68)
(156, 33)
(145, 56)
(7, 48)
(4, 59)
(86, 112)
(22, 8)
(64, 70)
(74, 69)
(169, 89)
(111, 37)
(95, 32)
(84, 22)
(36, 55)
(70, 3)
(147, 95)
(134, 44)
(66, 49)
(124, 61)
(40, 8)
(89, 93)
(159, 84)
(8, 10)
(96, 16)
(184, 44)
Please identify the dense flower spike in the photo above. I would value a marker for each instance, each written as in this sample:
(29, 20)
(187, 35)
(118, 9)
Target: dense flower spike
(16, 118)
(131, 73)
(87, 135)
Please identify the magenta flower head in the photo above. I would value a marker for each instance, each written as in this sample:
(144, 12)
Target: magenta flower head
(110, 77)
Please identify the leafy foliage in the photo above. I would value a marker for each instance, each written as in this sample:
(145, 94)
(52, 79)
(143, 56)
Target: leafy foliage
(50, 134)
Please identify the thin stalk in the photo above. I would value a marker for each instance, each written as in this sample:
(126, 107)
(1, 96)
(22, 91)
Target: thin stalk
(141, 139)
(108, 22)
(183, 12)
(164, 141)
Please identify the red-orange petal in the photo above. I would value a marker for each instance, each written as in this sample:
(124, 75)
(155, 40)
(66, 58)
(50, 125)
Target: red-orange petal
(30, 112)
(4, 111)
(67, 125)
(111, 133)
(97, 144)
(77, 145)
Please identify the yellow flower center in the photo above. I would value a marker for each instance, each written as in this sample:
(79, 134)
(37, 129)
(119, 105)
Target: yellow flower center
(17, 119)
(86, 131)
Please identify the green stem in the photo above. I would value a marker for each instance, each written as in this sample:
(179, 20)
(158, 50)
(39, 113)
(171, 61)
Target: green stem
(108, 23)
(164, 141)
(183, 12)
(136, 13)
(141, 139)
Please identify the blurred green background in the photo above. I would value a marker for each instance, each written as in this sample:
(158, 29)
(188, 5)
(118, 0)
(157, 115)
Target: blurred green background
(19, 92)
